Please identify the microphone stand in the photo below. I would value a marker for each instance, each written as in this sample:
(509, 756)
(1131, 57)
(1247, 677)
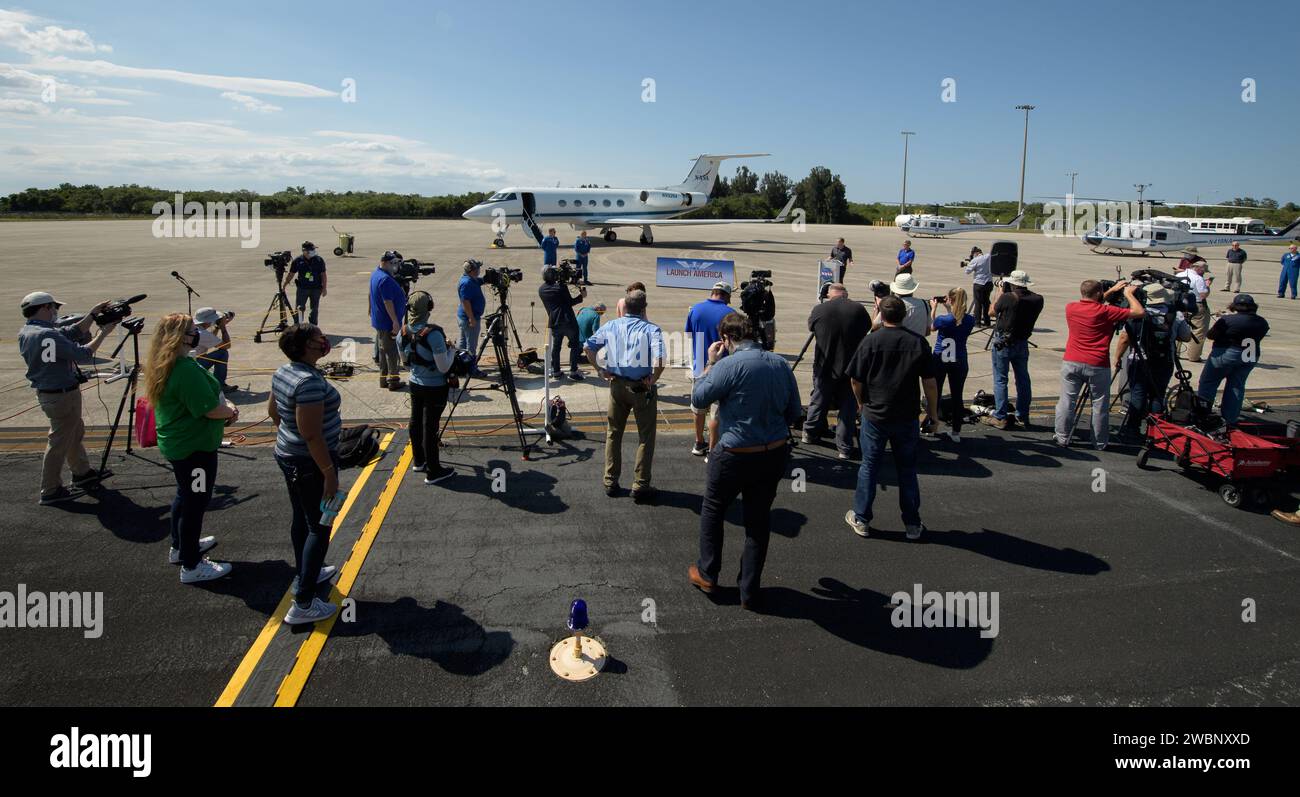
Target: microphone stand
(190, 293)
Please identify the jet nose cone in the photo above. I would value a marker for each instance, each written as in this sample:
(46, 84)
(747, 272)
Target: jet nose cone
(471, 213)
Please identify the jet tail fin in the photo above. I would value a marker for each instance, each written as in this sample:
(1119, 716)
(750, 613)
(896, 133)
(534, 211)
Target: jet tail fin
(704, 174)
(1290, 231)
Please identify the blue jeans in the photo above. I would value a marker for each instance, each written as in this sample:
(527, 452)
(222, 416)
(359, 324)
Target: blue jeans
(903, 437)
(189, 504)
(217, 361)
(1225, 365)
(469, 337)
(1014, 357)
(1288, 280)
(305, 297)
(310, 537)
(1148, 383)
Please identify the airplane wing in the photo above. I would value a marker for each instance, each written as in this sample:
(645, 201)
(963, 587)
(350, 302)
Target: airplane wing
(630, 221)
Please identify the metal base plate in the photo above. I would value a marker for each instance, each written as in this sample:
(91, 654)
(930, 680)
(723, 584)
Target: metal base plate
(578, 668)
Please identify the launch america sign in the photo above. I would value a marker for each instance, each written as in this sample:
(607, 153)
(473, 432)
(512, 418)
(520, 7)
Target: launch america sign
(674, 272)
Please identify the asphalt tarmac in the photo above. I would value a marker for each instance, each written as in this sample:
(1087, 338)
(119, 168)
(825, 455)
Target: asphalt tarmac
(1114, 586)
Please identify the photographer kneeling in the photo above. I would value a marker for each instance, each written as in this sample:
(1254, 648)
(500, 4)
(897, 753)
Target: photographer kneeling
(191, 415)
(304, 407)
(1151, 343)
(424, 346)
(559, 304)
(52, 354)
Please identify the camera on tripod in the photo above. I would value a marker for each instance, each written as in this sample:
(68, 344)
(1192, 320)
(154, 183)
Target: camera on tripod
(278, 260)
(568, 271)
(410, 270)
(1181, 298)
(117, 309)
(500, 278)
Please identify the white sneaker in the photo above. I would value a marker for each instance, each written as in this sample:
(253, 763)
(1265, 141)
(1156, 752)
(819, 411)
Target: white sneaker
(326, 573)
(914, 532)
(953, 436)
(317, 611)
(207, 570)
(859, 528)
(205, 544)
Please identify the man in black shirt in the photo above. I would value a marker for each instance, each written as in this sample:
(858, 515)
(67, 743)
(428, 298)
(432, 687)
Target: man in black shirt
(559, 304)
(308, 273)
(1235, 339)
(1014, 316)
(843, 254)
(839, 325)
(887, 372)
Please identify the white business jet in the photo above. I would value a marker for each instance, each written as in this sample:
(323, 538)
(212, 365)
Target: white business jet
(606, 208)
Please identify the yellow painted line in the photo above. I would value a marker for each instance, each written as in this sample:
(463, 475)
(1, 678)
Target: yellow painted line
(293, 684)
(258, 649)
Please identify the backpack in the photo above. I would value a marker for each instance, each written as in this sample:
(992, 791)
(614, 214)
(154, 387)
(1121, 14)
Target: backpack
(1157, 333)
(357, 446)
(146, 430)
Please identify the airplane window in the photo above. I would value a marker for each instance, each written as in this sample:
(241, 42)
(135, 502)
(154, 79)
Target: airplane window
(563, 203)
(620, 203)
(606, 203)
(577, 203)
(591, 202)
(1160, 236)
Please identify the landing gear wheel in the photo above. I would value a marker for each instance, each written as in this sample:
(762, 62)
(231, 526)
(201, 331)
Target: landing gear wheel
(499, 243)
(610, 236)
(1232, 495)
(647, 239)
(338, 251)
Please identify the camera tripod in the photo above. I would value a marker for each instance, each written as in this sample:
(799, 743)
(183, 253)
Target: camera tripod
(496, 335)
(281, 306)
(132, 376)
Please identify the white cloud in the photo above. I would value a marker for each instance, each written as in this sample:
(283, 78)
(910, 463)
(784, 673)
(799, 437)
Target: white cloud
(16, 33)
(386, 138)
(364, 146)
(250, 103)
(248, 85)
(21, 84)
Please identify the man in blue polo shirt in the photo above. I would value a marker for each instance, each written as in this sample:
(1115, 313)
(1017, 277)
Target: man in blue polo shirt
(582, 248)
(634, 360)
(470, 310)
(702, 328)
(387, 308)
(550, 248)
(905, 257)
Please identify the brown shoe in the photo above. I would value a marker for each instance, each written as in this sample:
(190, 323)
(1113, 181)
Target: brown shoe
(996, 423)
(1289, 518)
(699, 580)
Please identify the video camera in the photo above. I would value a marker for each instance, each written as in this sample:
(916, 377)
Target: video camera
(500, 278)
(117, 309)
(410, 270)
(879, 288)
(568, 271)
(756, 296)
(1181, 297)
(278, 260)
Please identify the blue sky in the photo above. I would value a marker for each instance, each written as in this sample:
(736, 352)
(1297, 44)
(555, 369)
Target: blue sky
(460, 96)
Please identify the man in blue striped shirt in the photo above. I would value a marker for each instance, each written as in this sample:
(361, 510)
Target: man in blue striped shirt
(634, 360)
(758, 402)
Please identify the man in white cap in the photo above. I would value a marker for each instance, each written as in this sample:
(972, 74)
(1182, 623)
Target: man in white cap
(1014, 315)
(213, 351)
(918, 310)
(52, 354)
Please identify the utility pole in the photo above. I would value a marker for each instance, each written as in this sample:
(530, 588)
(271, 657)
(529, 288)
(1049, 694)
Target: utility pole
(1024, 154)
(1072, 175)
(1141, 189)
(903, 204)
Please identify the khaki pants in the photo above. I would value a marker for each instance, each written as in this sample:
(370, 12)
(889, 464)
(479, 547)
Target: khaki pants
(1234, 277)
(643, 406)
(1200, 324)
(67, 430)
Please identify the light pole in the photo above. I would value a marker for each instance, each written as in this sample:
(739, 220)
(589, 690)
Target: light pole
(1072, 175)
(1024, 154)
(903, 204)
(1141, 188)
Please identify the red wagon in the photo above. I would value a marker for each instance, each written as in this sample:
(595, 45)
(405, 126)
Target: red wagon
(1247, 458)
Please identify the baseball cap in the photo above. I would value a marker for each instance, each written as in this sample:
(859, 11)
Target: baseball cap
(725, 287)
(308, 245)
(1244, 300)
(37, 299)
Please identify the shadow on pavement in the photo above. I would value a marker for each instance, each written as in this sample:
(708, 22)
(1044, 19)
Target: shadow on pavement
(442, 634)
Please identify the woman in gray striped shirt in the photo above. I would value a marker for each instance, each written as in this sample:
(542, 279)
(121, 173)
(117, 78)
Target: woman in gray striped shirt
(305, 409)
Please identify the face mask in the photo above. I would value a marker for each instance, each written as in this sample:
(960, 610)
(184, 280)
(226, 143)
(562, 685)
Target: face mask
(192, 338)
(310, 253)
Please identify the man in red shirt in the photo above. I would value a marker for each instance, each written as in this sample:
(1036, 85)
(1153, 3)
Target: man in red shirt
(1092, 324)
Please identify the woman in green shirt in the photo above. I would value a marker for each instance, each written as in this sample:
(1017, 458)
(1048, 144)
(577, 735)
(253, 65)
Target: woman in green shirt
(190, 413)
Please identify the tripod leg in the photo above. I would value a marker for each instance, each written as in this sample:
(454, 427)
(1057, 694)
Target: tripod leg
(117, 420)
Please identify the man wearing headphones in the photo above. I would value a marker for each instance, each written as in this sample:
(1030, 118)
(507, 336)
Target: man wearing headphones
(559, 303)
